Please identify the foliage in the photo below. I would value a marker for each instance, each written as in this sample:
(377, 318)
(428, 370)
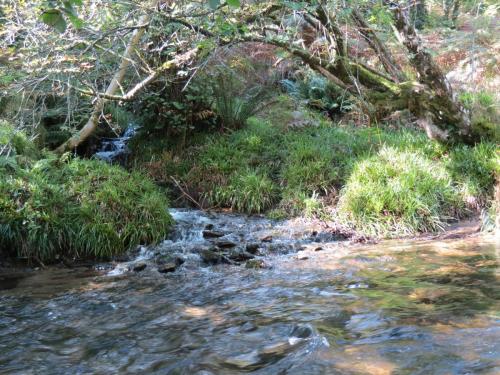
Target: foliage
(317, 92)
(248, 191)
(485, 114)
(388, 181)
(399, 192)
(173, 112)
(78, 208)
(474, 168)
(234, 102)
(14, 142)
(55, 13)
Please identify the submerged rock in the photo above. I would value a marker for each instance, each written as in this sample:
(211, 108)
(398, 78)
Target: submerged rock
(247, 361)
(166, 259)
(267, 238)
(209, 256)
(256, 264)
(302, 331)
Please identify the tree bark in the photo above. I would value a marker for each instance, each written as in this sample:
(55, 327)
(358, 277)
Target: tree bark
(444, 116)
(93, 121)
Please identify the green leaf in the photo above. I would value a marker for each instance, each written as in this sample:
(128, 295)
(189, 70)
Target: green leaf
(75, 21)
(233, 3)
(213, 4)
(55, 19)
(178, 105)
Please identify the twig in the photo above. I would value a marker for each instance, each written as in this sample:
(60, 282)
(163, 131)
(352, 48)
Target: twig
(186, 194)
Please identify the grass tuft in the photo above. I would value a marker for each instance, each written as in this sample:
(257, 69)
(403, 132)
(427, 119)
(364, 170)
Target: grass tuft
(78, 209)
(400, 193)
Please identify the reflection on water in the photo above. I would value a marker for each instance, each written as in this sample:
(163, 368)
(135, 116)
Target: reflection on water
(394, 308)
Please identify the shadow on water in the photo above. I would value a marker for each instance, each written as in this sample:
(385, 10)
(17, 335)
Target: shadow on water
(394, 308)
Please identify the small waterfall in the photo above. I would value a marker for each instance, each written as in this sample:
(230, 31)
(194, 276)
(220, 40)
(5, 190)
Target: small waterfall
(115, 149)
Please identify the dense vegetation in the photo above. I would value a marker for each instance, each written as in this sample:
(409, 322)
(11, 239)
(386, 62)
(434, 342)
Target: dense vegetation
(381, 117)
(381, 180)
(65, 208)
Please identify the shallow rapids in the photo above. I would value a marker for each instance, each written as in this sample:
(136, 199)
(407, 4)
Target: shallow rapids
(318, 307)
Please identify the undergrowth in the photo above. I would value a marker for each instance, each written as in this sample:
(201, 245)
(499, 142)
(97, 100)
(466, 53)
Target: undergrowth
(72, 208)
(379, 180)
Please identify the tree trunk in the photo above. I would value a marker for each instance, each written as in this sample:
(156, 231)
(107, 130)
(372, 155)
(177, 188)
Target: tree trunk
(93, 121)
(444, 117)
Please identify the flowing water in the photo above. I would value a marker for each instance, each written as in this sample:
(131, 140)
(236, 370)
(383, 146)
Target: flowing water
(116, 149)
(398, 307)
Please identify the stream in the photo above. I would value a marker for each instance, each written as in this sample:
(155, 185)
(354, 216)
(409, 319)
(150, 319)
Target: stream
(249, 295)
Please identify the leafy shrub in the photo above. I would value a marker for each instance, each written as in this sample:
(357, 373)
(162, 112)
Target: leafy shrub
(395, 181)
(78, 208)
(398, 192)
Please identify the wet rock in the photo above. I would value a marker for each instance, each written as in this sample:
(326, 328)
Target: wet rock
(239, 255)
(165, 259)
(267, 239)
(302, 331)
(248, 327)
(122, 258)
(167, 267)
(209, 256)
(256, 264)
(212, 234)
(214, 256)
(209, 227)
(319, 248)
(138, 267)
(246, 361)
(278, 349)
(225, 244)
(252, 248)
(281, 248)
(302, 256)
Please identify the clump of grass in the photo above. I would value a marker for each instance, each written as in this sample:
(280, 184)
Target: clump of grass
(78, 209)
(485, 114)
(399, 193)
(474, 168)
(248, 191)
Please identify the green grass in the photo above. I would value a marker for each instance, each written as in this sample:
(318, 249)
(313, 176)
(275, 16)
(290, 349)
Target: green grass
(400, 193)
(77, 209)
(379, 180)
